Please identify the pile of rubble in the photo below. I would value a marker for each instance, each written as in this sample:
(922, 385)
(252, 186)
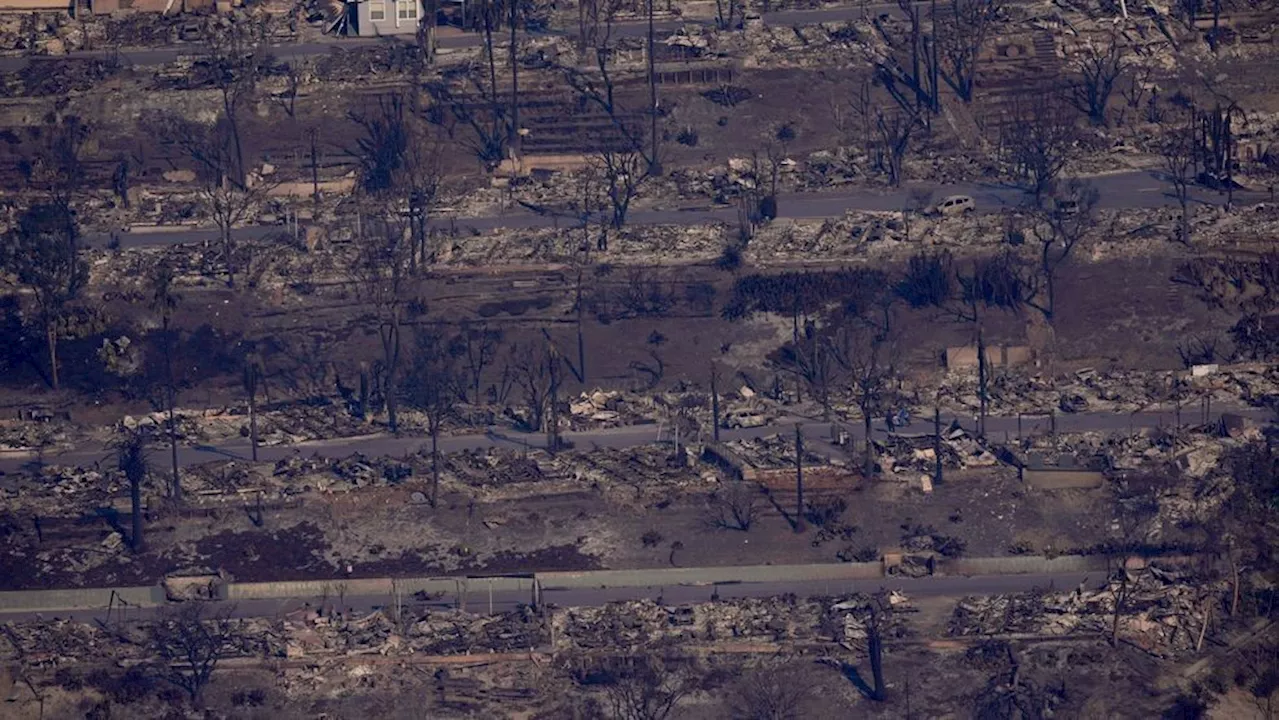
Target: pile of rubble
(774, 452)
(435, 632)
(39, 430)
(1017, 390)
(1163, 612)
(404, 628)
(617, 408)
(915, 454)
(634, 625)
(55, 489)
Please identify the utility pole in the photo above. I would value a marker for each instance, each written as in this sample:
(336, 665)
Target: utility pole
(982, 386)
(315, 175)
(799, 478)
(553, 427)
(169, 393)
(715, 404)
(514, 140)
(655, 166)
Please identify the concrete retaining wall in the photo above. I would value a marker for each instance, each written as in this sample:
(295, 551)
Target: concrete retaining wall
(1062, 479)
(374, 587)
(1021, 565)
(87, 599)
(308, 589)
(667, 577)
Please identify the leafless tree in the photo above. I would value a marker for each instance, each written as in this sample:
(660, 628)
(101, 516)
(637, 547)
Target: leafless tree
(1253, 672)
(1040, 142)
(132, 462)
(910, 72)
(963, 29)
(41, 254)
(382, 272)
(481, 127)
(887, 133)
(879, 615)
(735, 506)
(811, 359)
(400, 165)
(234, 63)
(164, 301)
(866, 351)
(252, 376)
(895, 131)
(188, 646)
(1179, 157)
(477, 346)
(728, 14)
(488, 123)
(432, 386)
(1189, 10)
(1218, 144)
(771, 693)
(626, 158)
(646, 689)
(537, 370)
(227, 198)
(1197, 350)
(1097, 70)
(287, 98)
(919, 200)
(1058, 232)
(1010, 694)
(624, 172)
(54, 164)
(1247, 288)
(1136, 505)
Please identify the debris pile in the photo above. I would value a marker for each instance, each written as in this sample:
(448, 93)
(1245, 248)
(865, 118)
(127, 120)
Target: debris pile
(434, 632)
(774, 452)
(1162, 612)
(1089, 390)
(634, 625)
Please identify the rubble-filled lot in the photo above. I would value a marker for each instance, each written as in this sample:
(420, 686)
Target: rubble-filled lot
(1163, 612)
(1023, 390)
(369, 517)
(710, 656)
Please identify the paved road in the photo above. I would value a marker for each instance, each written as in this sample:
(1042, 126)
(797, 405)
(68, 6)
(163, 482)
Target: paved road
(477, 600)
(1135, 189)
(391, 446)
(447, 41)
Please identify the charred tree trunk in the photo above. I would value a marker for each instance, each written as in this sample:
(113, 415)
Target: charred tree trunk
(799, 480)
(435, 462)
(515, 85)
(868, 467)
(135, 507)
(654, 165)
(715, 404)
(875, 650)
(173, 426)
(253, 424)
(51, 336)
(982, 385)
